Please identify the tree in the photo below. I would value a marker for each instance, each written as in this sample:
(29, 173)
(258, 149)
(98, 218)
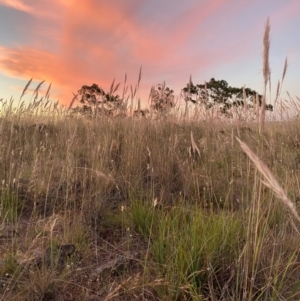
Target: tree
(161, 99)
(95, 101)
(219, 93)
(90, 94)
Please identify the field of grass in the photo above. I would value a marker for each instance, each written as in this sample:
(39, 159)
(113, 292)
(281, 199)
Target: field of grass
(179, 207)
(143, 209)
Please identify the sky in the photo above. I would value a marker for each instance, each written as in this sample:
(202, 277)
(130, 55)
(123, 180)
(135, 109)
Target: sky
(71, 43)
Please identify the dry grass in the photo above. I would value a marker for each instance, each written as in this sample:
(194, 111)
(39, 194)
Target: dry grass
(269, 179)
(266, 74)
(165, 208)
(108, 173)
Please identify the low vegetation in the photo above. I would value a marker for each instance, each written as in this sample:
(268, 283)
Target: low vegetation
(171, 206)
(162, 209)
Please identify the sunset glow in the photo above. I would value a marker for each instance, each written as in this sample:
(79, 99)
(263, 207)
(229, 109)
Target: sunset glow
(72, 43)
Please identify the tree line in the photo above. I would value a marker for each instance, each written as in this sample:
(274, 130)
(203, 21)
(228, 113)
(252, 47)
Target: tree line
(215, 94)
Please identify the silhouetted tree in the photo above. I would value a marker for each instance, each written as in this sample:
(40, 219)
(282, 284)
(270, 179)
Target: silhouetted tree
(161, 99)
(218, 92)
(95, 101)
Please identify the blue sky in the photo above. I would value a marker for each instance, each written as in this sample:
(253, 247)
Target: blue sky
(70, 43)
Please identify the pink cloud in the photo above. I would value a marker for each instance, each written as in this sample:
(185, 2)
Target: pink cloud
(96, 41)
(189, 21)
(41, 9)
(103, 24)
(17, 4)
(100, 41)
(290, 9)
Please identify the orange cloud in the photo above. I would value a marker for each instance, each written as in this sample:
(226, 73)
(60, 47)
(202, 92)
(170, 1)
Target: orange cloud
(28, 63)
(99, 41)
(96, 41)
(114, 39)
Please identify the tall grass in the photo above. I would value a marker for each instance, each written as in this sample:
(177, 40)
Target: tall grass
(215, 230)
(173, 198)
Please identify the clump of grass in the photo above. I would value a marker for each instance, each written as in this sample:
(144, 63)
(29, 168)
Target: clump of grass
(194, 252)
(10, 205)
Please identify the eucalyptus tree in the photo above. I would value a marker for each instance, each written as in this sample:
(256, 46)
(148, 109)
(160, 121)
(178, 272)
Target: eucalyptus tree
(218, 93)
